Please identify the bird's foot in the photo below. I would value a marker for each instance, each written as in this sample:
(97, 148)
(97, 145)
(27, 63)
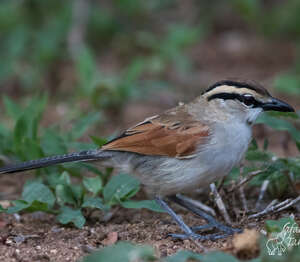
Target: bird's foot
(190, 233)
(226, 229)
(195, 236)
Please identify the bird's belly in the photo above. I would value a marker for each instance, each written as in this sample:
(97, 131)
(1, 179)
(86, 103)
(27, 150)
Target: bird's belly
(171, 175)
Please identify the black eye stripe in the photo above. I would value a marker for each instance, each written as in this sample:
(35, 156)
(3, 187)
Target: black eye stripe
(248, 100)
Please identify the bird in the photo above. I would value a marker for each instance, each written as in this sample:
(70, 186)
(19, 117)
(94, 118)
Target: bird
(184, 148)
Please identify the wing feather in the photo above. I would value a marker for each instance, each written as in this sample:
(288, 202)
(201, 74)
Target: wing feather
(158, 136)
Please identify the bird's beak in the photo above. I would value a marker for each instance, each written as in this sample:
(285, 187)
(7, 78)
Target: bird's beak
(277, 105)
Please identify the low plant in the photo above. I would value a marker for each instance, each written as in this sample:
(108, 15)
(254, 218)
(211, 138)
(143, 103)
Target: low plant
(63, 190)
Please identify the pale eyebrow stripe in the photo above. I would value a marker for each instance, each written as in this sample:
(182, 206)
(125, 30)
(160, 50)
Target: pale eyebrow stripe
(229, 89)
(231, 83)
(256, 87)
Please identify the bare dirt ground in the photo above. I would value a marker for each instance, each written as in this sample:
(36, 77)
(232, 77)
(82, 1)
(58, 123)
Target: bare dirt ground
(38, 237)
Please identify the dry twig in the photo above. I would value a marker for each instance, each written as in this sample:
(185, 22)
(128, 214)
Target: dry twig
(262, 192)
(273, 203)
(292, 202)
(276, 208)
(220, 203)
(243, 199)
(247, 179)
(199, 205)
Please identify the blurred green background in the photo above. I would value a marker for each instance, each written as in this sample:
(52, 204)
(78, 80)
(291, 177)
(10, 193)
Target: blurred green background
(128, 59)
(86, 68)
(115, 62)
(97, 55)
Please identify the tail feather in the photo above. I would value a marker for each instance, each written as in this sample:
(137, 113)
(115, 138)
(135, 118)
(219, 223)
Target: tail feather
(53, 160)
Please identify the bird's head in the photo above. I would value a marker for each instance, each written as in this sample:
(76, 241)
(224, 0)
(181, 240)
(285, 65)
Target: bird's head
(245, 100)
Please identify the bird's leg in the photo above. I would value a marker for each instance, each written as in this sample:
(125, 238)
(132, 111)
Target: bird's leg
(189, 233)
(212, 223)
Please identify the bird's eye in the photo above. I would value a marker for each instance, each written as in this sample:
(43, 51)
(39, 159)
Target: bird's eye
(248, 100)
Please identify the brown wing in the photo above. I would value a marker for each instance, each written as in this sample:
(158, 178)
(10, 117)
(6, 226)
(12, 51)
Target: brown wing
(163, 136)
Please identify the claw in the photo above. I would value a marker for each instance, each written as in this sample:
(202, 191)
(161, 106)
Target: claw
(203, 227)
(228, 230)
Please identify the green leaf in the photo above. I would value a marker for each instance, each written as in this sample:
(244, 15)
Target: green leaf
(22, 205)
(218, 256)
(52, 143)
(58, 179)
(2, 209)
(185, 256)
(19, 205)
(94, 202)
(284, 115)
(93, 184)
(37, 206)
(36, 106)
(77, 191)
(69, 215)
(83, 124)
(277, 225)
(120, 187)
(38, 191)
(257, 155)
(92, 168)
(288, 253)
(20, 132)
(149, 204)
(65, 178)
(11, 108)
(285, 232)
(298, 145)
(31, 149)
(64, 195)
(33, 127)
(233, 175)
(98, 140)
(122, 252)
(279, 124)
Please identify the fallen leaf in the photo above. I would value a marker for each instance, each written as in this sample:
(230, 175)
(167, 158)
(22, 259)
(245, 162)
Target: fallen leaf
(246, 245)
(111, 239)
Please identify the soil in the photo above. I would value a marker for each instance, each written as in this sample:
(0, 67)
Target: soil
(38, 237)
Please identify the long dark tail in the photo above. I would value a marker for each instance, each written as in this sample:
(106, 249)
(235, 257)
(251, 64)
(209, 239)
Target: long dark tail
(86, 155)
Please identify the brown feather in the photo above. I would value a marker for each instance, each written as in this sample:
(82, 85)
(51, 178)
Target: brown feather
(173, 135)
